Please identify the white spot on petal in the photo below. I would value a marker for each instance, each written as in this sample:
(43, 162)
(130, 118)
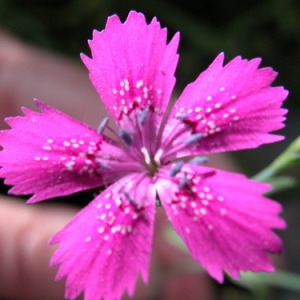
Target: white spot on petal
(134, 216)
(206, 189)
(139, 84)
(101, 229)
(69, 165)
(209, 197)
(193, 204)
(223, 211)
(210, 227)
(204, 202)
(203, 211)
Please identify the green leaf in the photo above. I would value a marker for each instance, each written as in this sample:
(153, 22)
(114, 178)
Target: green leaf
(288, 158)
(281, 183)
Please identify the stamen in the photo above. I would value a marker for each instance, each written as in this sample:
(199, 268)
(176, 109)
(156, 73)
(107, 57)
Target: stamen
(158, 156)
(144, 115)
(183, 183)
(176, 168)
(126, 137)
(182, 117)
(198, 160)
(128, 198)
(193, 139)
(146, 155)
(104, 165)
(102, 125)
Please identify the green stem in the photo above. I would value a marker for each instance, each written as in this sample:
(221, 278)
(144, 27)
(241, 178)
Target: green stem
(265, 174)
(288, 158)
(258, 282)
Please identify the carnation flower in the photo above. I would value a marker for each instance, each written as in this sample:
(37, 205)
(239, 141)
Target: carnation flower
(153, 158)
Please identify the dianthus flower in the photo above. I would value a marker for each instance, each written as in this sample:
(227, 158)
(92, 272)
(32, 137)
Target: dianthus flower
(153, 158)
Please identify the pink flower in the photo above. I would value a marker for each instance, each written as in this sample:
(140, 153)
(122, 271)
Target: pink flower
(222, 217)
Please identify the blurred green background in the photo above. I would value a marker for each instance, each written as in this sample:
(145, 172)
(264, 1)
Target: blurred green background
(251, 28)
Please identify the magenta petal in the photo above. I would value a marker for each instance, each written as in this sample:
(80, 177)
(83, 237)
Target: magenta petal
(224, 220)
(132, 65)
(233, 106)
(48, 154)
(107, 244)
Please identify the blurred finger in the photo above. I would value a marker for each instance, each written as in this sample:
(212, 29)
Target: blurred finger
(24, 252)
(27, 73)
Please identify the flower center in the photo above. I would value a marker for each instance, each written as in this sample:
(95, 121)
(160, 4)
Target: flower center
(138, 139)
(152, 163)
(144, 144)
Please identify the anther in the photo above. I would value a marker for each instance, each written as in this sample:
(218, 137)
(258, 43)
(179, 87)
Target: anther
(183, 183)
(198, 160)
(126, 137)
(102, 125)
(176, 168)
(193, 139)
(144, 115)
(104, 165)
(128, 198)
(182, 117)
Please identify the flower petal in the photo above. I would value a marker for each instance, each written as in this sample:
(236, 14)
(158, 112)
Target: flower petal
(108, 243)
(233, 106)
(223, 219)
(50, 154)
(132, 65)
